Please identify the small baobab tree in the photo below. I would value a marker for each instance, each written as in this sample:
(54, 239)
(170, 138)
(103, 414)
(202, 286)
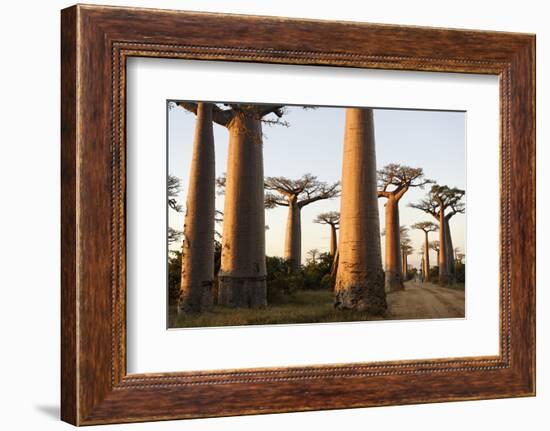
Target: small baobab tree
(426, 227)
(359, 276)
(332, 219)
(242, 276)
(394, 180)
(406, 249)
(312, 255)
(296, 194)
(434, 245)
(443, 203)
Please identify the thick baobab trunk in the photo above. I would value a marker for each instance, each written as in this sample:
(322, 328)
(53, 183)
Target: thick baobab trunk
(426, 259)
(242, 276)
(333, 240)
(394, 272)
(449, 250)
(197, 269)
(293, 239)
(360, 277)
(442, 254)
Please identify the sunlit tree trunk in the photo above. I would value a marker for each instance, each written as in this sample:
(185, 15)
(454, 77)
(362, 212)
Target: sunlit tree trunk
(426, 257)
(293, 239)
(197, 272)
(404, 264)
(449, 250)
(360, 277)
(394, 272)
(442, 254)
(333, 240)
(242, 277)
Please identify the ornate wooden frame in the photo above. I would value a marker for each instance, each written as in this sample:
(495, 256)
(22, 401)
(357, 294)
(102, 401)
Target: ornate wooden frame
(96, 41)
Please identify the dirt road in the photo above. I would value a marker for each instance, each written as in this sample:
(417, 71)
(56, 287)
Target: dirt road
(425, 301)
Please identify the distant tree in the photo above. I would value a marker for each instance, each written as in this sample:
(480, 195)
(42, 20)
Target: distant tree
(331, 218)
(406, 249)
(426, 227)
(434, 245)
(312, 255)
(296, 194)
(394, 180)
(443, 203)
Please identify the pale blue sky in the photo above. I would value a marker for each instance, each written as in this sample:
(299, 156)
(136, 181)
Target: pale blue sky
(433, 140)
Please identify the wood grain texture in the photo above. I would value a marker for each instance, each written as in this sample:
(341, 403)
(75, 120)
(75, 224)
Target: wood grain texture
(96, 41)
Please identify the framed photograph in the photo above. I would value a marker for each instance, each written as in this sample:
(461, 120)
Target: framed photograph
(277, 215)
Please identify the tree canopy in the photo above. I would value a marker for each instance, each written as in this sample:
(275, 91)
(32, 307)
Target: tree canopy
(442, 198)
(395, 179)
(302, 192)
(331, 218)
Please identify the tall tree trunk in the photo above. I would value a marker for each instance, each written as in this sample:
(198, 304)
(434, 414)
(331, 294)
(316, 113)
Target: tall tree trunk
(360, 277)
(404, 264)
(426, 257)
(197, 269)
(293, 239)
(450, 251)
(333, 240)
(394, 271)
(442, 254)
(335, 260)
(242, 277)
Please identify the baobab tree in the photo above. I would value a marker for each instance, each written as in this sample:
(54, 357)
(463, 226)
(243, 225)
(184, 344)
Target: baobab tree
(296, 194)
(434, 245)
(443, 203)
(394, 181)
(242, 276)
(426, 227)
(406, 249)
(197, 268)
(331, 218)
(359, 277)
(312, 255)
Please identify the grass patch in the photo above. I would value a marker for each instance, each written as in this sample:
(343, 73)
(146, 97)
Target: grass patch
(305, 306)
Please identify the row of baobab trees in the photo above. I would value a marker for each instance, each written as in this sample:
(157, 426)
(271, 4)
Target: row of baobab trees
(360, 280)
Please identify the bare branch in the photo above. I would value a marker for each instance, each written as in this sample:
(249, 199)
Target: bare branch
(174, 187)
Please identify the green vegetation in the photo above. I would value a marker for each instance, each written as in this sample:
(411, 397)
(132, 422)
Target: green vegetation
(303, 306)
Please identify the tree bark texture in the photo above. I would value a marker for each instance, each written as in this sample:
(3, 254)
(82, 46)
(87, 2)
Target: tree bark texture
(426, 262)
(197, 273)
(394, 266)
(360, 277)
(293, 239)
(242, 276)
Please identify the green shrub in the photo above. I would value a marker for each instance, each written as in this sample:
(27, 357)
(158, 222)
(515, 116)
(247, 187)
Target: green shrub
(174, 276)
